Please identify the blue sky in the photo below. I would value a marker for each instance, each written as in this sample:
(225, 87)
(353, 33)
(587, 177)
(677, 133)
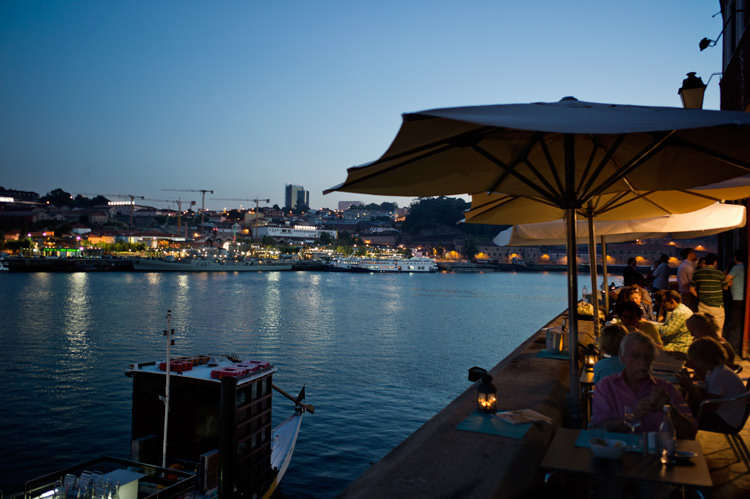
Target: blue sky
(244, 97)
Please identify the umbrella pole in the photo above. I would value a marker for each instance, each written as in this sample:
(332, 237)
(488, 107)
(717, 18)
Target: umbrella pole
(605, 286)
(574, 403)
(592, 271)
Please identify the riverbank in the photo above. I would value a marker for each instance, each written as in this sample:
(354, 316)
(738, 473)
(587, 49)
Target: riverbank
(48, 264)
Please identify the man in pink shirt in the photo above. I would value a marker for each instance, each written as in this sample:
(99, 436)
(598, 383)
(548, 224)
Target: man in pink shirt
(636, 388)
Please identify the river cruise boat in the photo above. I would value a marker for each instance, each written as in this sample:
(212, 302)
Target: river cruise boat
(380, 265)
(219, 443)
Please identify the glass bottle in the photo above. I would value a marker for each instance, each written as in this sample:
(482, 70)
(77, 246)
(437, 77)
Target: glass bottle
(667, 436)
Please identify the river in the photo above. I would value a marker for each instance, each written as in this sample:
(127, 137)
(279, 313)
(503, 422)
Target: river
(379, 354)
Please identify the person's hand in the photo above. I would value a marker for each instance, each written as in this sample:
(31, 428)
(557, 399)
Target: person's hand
(659, 397)
(684, 379)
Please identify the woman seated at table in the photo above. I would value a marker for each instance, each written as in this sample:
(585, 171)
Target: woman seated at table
(707, 358)
(609, 344)
(631, 316)
(637, 389)
(638, 295)
(702, 325)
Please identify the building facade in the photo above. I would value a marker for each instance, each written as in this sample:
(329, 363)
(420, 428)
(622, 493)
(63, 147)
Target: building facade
(296, 195)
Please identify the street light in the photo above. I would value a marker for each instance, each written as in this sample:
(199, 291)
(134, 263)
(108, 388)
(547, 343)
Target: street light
(692, 91)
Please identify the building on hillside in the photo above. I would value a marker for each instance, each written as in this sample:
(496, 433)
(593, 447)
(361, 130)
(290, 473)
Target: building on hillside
(292, 233)
(295, 195)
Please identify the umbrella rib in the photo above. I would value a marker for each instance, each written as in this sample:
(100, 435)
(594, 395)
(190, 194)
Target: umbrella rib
(710, 152)
(634, 163)
(509, 169)
(608, 152)
(585, 173)
(553, 170)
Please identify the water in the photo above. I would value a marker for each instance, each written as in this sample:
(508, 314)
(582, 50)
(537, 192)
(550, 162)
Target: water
(379, 355)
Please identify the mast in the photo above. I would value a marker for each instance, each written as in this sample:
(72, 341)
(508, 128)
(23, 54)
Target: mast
(168, 333)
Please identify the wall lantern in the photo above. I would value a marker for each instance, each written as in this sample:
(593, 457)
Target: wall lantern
(692, 92)
(486, 395)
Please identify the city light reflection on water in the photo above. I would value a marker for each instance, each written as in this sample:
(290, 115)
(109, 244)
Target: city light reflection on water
(379, 354)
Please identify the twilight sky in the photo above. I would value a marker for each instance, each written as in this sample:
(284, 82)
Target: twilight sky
(243, 97)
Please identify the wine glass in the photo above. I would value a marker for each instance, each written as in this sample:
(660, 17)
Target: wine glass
(633, 423)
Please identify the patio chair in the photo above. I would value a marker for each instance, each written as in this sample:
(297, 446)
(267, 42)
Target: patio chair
(733, 437)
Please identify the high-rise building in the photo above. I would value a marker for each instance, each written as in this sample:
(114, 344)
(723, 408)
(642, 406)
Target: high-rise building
(294, 195)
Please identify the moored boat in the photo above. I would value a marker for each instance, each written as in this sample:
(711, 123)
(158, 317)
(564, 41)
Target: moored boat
(381, 265)
(201, 427)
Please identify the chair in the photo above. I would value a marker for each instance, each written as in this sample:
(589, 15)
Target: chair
(733, 437)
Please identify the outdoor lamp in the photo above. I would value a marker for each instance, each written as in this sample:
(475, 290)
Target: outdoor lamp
(590, 357)
(486, 395)
(692, 91)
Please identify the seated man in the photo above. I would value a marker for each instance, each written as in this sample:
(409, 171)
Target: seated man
(636, 387)
(674, 332)
(631, 316)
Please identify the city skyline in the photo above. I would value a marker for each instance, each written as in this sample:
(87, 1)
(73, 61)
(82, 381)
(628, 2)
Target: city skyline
(139, 98)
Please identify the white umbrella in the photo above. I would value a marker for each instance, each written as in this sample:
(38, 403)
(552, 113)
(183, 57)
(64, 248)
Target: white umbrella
(708, 221)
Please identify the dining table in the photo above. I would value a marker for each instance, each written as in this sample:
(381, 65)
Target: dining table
(569, 452)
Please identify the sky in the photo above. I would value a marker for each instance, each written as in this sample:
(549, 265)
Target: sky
(244, 97)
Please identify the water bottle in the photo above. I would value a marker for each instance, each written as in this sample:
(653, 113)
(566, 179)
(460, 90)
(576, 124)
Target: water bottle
(667, 437)
(585, 291)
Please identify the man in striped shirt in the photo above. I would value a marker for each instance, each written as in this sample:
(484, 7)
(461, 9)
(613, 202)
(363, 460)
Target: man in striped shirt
(708, 284)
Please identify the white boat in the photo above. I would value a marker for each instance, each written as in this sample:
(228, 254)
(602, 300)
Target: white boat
(378, 265)
(4, 266)
(171, 264)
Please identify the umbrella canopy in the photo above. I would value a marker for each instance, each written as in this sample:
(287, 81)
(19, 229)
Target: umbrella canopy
(496, 208)
(708, 221)
(564, 154)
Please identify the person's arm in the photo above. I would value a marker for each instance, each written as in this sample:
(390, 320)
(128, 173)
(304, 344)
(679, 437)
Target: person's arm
(604, 410)
(682, 418)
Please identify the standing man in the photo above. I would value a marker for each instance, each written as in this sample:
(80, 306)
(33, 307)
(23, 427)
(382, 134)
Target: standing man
(708, 284)
(660, 274)
(631, 275)
(736, 278)
(685, 275)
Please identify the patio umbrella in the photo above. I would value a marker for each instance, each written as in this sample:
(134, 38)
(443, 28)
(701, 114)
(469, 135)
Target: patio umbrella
(563, 154)
(496, 208)
(708, 221)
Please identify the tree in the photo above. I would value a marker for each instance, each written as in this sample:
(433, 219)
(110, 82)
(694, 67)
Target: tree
(325, 239)
(470, 248)
(58, 197)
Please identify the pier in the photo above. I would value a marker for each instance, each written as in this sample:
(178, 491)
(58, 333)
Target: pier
(440, 460)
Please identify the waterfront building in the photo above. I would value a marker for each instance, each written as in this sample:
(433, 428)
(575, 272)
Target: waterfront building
(297, 233)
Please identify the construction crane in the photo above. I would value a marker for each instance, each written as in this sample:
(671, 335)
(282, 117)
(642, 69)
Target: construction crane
(124, 196)
(179, 202)
(256, 200)
(203, 198)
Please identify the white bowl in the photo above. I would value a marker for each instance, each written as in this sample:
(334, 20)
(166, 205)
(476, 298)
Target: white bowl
(606, 448)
